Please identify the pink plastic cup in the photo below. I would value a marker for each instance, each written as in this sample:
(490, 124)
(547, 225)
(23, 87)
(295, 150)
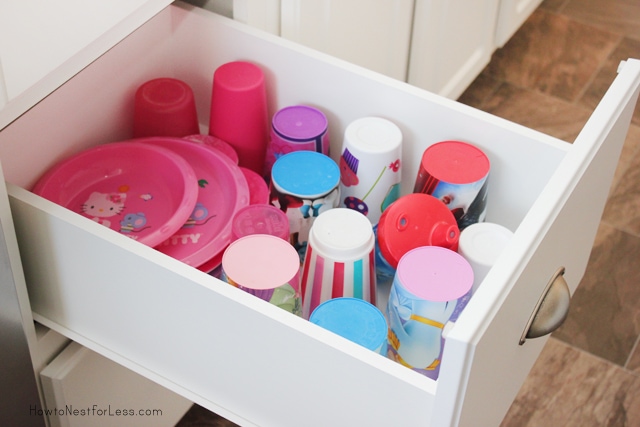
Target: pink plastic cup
(164, 107)
(239, 112)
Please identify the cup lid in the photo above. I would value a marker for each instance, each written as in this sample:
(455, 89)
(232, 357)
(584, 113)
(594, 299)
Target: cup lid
(414, 220)
(260, 261)
(305, 174)
(435, 274)
(260, 219)
(455, 162)
(342, 234)
(299, 122)
(352, 318)
(373, 135)
(483, 242)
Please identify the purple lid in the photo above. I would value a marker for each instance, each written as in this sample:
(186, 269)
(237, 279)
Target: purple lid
(300, 122)
(260, 219)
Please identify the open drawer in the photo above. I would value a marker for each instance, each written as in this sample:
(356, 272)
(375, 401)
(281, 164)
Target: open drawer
(241, 357)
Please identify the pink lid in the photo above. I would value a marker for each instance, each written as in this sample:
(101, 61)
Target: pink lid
(455, 162)
(435, 274)
(260, 261)
(216, 144)
(414, 220)
(258, 188)
(260, 219)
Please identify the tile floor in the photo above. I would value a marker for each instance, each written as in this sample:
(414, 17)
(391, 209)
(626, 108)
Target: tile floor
(549, 77)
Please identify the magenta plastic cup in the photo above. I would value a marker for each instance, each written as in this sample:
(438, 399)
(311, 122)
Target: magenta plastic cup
(239, 112)
(164, 107)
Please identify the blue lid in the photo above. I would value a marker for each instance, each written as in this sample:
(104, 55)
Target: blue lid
(306, 174)
(352, 318)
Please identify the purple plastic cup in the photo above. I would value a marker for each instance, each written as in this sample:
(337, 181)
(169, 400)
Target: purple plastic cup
(296, 128)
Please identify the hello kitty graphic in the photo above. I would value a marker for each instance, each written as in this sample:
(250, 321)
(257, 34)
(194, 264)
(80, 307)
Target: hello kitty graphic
(104, 205)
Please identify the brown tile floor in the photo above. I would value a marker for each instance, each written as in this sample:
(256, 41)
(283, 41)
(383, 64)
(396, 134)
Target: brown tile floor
(549, 77)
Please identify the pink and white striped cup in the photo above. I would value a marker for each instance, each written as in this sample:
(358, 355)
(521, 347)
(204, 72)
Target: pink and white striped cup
(340, 260)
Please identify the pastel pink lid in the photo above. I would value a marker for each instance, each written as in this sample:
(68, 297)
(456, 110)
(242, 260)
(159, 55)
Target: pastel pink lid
(435, 274)
(455, 162)
(260, 261)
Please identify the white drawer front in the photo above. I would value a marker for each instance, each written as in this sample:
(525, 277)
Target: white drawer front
(245, 359)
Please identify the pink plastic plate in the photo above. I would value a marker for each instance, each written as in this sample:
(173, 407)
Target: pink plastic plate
(222, 191)
(144, 192)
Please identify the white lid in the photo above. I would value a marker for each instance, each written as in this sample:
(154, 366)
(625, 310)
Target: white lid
(342, 234)
(373, 135)
(482, 242)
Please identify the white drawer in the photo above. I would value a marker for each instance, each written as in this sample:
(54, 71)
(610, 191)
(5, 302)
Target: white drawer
(243, 358)
(84, 389)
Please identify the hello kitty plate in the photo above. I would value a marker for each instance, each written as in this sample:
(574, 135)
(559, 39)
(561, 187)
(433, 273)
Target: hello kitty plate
(222, 191)
(142, 191)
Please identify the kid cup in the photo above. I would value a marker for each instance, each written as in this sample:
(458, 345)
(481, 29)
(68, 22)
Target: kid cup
(265, 266)
(339, 261)
(355, 320)
(370, 166)
(239, 111)
(456, 173)
(431, 287)
(295, 128)
(164, 107)
(303, 185)
(481, 244)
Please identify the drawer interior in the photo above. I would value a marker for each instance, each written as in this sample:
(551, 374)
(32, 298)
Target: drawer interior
(96, 106)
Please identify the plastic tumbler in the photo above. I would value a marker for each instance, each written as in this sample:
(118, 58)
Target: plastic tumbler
(239, 111)
(481, 244)
(413, 220)
(303, 185)
(456, 172)
(265, 266)
(431, 287)
(339, 261)
(294, 128)
(164, 107)
(370, 166)
(354, 319)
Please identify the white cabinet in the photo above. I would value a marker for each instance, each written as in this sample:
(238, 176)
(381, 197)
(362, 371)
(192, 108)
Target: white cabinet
(376, 36)
(452, 42)
(511, 16)
(241, 357)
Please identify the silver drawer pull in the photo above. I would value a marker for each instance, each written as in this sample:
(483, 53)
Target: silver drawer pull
(551, 310)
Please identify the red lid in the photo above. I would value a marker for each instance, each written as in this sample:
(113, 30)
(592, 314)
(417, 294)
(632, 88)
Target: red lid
(415, 220)
(455, 162)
